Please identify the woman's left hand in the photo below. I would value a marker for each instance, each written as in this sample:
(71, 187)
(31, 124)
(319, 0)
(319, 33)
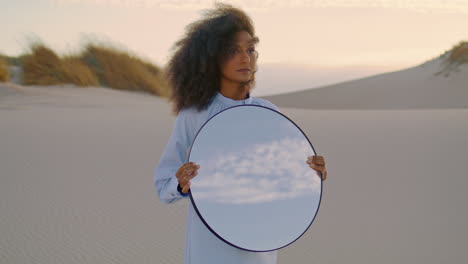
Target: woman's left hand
(318, 163)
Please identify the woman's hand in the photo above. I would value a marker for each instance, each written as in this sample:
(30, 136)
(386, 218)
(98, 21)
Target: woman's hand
(185, 173)
(318, 163)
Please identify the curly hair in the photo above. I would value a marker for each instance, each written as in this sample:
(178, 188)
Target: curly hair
(193, 71)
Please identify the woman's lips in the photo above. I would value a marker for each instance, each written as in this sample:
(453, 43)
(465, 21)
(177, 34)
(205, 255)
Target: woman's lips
(243, 70)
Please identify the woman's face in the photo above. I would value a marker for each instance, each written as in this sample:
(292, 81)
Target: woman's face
(241, 61)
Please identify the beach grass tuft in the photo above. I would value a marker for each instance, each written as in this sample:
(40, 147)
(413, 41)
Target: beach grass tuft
(4, 74)
(77, 72)
(42, 66)
(459, 53)
(97, 65)
(121, 70)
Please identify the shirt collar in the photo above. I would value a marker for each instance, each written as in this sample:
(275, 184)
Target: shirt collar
(228, 101)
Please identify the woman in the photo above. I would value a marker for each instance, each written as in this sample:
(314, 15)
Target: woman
(213, 68)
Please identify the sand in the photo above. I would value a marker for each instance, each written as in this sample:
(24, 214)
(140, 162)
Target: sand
(434, 84)
(76, 181)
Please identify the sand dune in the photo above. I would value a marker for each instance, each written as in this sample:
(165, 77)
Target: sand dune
(431, 85)
(76, 172)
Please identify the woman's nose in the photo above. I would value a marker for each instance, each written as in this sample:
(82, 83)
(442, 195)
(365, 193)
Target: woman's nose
(245, 56)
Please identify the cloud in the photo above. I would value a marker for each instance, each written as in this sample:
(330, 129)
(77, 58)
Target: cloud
(436, 6)
(261, 173)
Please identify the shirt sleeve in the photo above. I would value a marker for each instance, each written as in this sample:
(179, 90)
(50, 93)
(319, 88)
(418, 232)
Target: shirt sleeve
(275, 107)
(165, 180)
(269, 104)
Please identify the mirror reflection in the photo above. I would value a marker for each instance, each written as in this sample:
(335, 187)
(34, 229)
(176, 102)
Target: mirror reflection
(254, 189)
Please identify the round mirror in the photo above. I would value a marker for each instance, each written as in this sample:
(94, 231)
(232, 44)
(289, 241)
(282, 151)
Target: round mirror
(254, 189)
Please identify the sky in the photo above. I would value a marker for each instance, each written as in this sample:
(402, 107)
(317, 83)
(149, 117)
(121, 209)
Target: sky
(303, 39)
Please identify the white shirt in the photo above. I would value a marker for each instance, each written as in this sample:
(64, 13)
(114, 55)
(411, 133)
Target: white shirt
(201, 246)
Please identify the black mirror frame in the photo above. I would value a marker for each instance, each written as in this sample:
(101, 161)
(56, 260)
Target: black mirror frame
(195, 206)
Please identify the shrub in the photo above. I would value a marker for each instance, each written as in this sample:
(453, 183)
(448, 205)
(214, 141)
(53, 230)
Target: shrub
(96, 65)
(77, 72)
(459, 54)
(120, 70)
(42, 66)
(4, 74)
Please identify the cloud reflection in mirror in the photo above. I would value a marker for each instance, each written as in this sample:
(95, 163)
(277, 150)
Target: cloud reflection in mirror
(254, 189)
(269, 162)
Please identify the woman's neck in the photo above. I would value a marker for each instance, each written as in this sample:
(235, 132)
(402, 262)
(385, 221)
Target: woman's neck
(234, 91)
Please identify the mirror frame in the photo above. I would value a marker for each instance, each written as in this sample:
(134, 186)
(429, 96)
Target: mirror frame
(193, 200)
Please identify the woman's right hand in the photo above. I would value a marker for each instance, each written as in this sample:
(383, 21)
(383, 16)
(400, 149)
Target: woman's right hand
(185, 173)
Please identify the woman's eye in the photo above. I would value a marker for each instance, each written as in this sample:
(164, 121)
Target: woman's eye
(232, 51)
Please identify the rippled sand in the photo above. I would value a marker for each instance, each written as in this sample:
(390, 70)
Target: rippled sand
(76, 182)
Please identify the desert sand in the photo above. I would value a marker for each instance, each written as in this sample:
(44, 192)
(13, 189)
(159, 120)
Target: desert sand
(435, 84)
(76, 179)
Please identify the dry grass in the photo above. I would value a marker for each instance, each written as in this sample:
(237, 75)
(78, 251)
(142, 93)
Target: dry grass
(120, 70)
(453, 58)
(42, 66)
(75, 71)
(97, 65)
(459, 54)
(4, 73)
